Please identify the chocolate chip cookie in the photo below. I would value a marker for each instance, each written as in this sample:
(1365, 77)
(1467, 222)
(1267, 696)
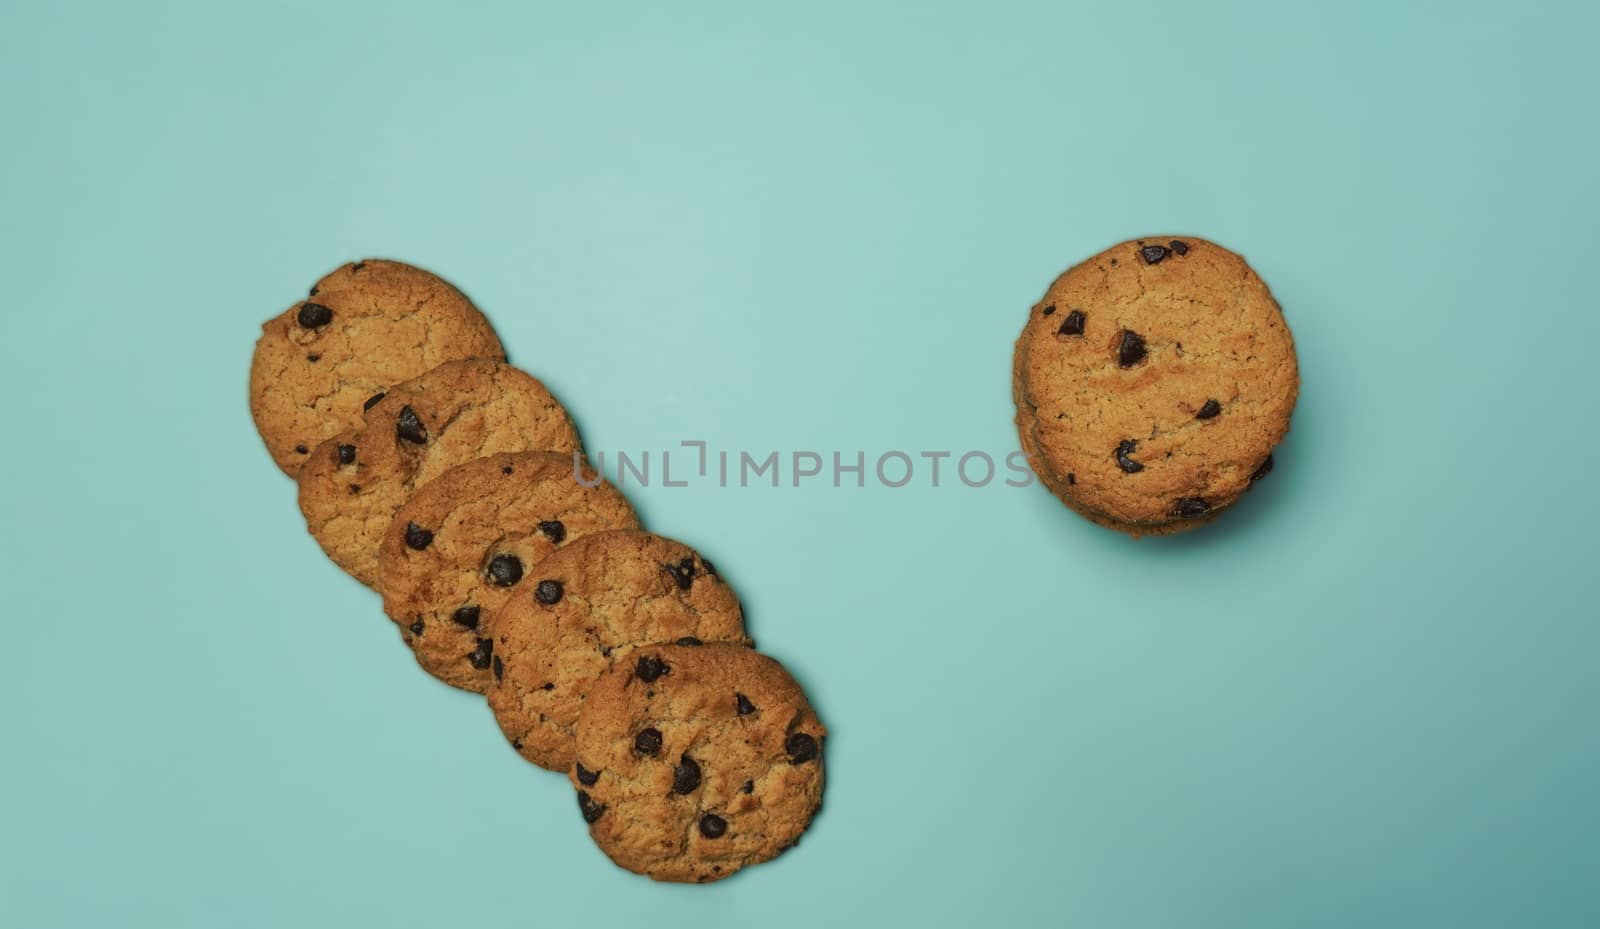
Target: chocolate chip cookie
(318, 361)
(456, 551)
(588, 605)
(695, 761)
(413, 432)
(1152, 383)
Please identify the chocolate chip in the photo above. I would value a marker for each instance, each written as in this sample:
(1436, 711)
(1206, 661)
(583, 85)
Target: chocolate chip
(801, 748)
(409, 427)
(647, 742)
(1130, 348)
(516, 744)
(1072, 478)
(548, 592)
(713, 826)
(1263, 471)
(1048, 310)
(313, 357)
(650, 667)
(465, 616)
(313, 315)
(505, 570)
(1153, 254)
(358, 266)
(347, 454)
(548, 685)
(682, 573)
(711, 569)
(480, 656)
(499, 668)
(355, 488)
(372, 401)
(506, 470)
(553, 530)
(1125, 448)
(301, 449)
(586, 777)
(1190, 507)
(1181, 248)
(1210, 409)
(749, 787)
(744, 704)
(591, 810)
(313, 291)
(418, 537)
(418, 626)
(686, 776)
(1072, 324)
(690, 640)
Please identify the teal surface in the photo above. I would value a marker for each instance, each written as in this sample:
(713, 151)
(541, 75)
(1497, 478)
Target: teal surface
(1365, 698)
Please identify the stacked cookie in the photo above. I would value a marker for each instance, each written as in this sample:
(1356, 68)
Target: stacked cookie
(455, 486)
(1152, 383)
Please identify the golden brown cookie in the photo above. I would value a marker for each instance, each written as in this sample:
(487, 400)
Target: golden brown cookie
(584, 607)
(456, 551)
(461, 410)
(1152, 383)
(695, 761)
(318, 361)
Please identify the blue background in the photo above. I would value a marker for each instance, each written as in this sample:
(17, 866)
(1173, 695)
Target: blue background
(1365, 698)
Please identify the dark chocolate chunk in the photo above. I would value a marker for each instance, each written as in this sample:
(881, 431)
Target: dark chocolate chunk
(749, 787)
(418, 537)
(1125, 448)
(548, 592)
(553, 530)
(465, 616)
(301, 449)
(347, 454)
(801, 748)
(372, 401)
(1130, 348)
(1048, 310)
(409, 427)
(313, 315)
(744, 705)
(586, 777)
(647, 742)
(1190, 507)
(650, 667)
(713, 826)
(591, 810)
(418, 626)
(499, 668)
(690, 640)
(1153, 254)
(682, 573)
(1072, 324)
(480, 656)
(505, 570)
(1210, 409)
(1182, 248)
(686, 776)
(1263, 471)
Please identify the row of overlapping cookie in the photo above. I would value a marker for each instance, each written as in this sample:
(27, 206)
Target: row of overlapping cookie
(455, 485)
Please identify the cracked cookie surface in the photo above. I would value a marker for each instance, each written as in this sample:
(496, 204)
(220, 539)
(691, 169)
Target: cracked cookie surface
(1152, 383)
(585, 607)
(696, 761)
(353, 483)
(367, 328)
(455, 552)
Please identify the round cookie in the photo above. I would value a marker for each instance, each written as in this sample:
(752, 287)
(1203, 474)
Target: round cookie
(318, 361)
(584, 607)
(695, 761)
(410, 434)
(456, 551)
(1152, 383)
